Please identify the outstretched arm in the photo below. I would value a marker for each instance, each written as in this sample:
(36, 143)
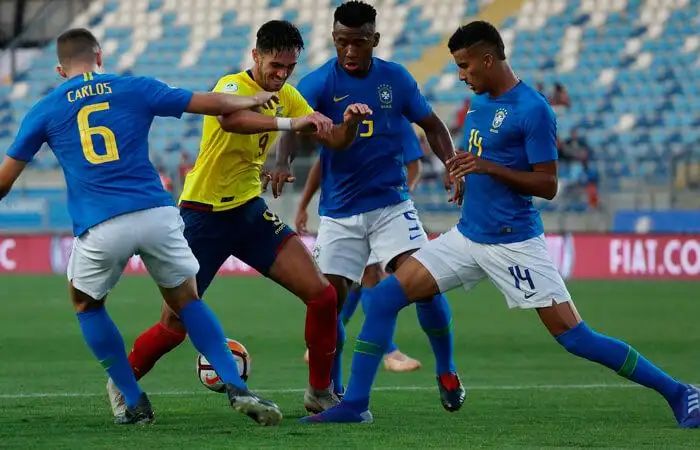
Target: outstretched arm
(342, 135)
(10, 169)
(216, 103)
(441, 144)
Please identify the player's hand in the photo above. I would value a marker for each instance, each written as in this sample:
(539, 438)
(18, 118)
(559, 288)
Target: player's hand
(300, 221)
(454, 188)
(465, 163)
(279, 176)
(312, 123)
(266, 100)
(265, 177)
(356, 113)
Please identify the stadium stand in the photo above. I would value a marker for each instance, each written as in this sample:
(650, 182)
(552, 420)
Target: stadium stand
(631, 69)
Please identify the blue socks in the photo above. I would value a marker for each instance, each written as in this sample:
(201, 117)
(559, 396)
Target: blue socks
(337, 369)
(208, 338)
(350, 304)
(435, 318)
(382, 307)
(620, 357)
(106, 343)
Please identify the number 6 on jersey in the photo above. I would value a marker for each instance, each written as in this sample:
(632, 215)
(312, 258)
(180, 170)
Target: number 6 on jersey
(86, 133)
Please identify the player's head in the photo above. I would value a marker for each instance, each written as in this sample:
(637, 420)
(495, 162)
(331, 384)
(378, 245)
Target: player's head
(354, 36)
(276, 53)
(77, 49)
(478, 50)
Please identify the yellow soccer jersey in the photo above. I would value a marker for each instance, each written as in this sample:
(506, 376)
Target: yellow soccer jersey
(227, 171)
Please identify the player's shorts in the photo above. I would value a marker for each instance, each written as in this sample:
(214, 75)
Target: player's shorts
(522, 271)
(373, 258)
(343, 244)
(100, 254)
(250, 232)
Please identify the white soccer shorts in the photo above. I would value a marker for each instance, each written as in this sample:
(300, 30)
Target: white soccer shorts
(522, 271)
(343, 244)
(100, 254)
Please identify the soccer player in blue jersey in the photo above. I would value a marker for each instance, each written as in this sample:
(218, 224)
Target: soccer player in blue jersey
(394, 359)
(510, 157)
(97, 126)
(365, 202)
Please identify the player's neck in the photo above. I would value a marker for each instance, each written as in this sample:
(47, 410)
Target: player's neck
(505, 80)
(79, 69)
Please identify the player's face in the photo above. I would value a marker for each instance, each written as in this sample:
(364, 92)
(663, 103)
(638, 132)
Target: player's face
(354, 47)
(274, 68)
(474, 65)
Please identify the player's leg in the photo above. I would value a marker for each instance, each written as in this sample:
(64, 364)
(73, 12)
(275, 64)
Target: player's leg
(341, 251)
(172, 265)
(440, 265)
(394, 359)
(96, 263)
(275, 250)
(397, 233)
(524, 272)
(206, 235)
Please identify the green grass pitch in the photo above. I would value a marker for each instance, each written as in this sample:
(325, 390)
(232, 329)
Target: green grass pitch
(524, 390)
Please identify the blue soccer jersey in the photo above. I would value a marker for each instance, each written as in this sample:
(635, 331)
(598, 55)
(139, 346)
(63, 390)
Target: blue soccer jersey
(516, 130)
(370, 174)
(97, 126)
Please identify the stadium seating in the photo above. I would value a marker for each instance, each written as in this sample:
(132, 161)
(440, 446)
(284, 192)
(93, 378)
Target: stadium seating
(631, 67)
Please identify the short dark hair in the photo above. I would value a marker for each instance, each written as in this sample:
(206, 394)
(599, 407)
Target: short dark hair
(76, 43)
(277, 36)
(477, 32)
(355, 14)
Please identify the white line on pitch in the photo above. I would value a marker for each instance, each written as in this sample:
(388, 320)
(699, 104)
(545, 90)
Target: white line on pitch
(514, 387)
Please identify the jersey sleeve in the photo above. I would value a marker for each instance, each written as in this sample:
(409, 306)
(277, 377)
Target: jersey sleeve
(310, 88)
(30, 137)
(540, 129)
(298, 106)
(410, 144)
(164, 100)
(415, 107)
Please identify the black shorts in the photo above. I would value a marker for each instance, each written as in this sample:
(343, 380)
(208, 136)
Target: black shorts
(250, 232)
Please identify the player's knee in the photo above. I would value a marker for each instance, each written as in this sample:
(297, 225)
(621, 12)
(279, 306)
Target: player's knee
(577, 339)
(324, 297)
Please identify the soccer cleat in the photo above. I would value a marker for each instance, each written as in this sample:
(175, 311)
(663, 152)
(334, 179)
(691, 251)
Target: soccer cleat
(687, 408)
(397, 361)
(339, 414)
(116, 399)
(260, 410)
(141, 414)
(318, 400)
(452, 392)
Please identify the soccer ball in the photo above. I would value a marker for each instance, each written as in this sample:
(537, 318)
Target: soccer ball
(209, 378)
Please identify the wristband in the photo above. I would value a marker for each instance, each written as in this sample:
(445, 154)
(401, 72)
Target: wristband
(283, 123)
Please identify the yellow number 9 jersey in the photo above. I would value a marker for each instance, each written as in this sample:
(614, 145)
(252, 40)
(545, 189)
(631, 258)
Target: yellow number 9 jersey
(227, 171)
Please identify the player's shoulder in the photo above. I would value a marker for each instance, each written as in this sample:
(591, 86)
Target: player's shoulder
(231, 82)
(392, 69)
(532, 100)
(321, 72)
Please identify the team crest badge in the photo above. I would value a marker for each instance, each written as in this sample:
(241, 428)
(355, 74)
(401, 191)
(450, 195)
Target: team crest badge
(498, 119)
(385, 95)
(230, 87)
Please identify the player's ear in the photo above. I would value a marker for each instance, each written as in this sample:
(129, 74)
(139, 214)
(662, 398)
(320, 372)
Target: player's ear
(61, 73)
(488, 60)
(256, 55)
(376, 39)
(98, 59)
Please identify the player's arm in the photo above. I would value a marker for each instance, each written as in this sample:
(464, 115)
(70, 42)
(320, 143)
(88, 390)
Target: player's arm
(413, 173)
(217, 104)
(441, 144)
(251, 122)
(10, 170)
(341, 136)
(313, 182)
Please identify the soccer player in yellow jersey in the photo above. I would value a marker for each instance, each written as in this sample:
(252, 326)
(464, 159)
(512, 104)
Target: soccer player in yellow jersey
(224, 214)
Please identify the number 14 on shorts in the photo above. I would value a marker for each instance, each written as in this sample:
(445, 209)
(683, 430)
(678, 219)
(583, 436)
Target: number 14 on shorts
(522, 275)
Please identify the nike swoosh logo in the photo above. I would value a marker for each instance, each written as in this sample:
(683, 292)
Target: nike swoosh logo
(471, 111)
(530, 295)
(340, 99)
(414, 237)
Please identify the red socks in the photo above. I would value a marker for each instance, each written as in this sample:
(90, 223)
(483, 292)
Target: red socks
(151, 345)
(321, 336)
